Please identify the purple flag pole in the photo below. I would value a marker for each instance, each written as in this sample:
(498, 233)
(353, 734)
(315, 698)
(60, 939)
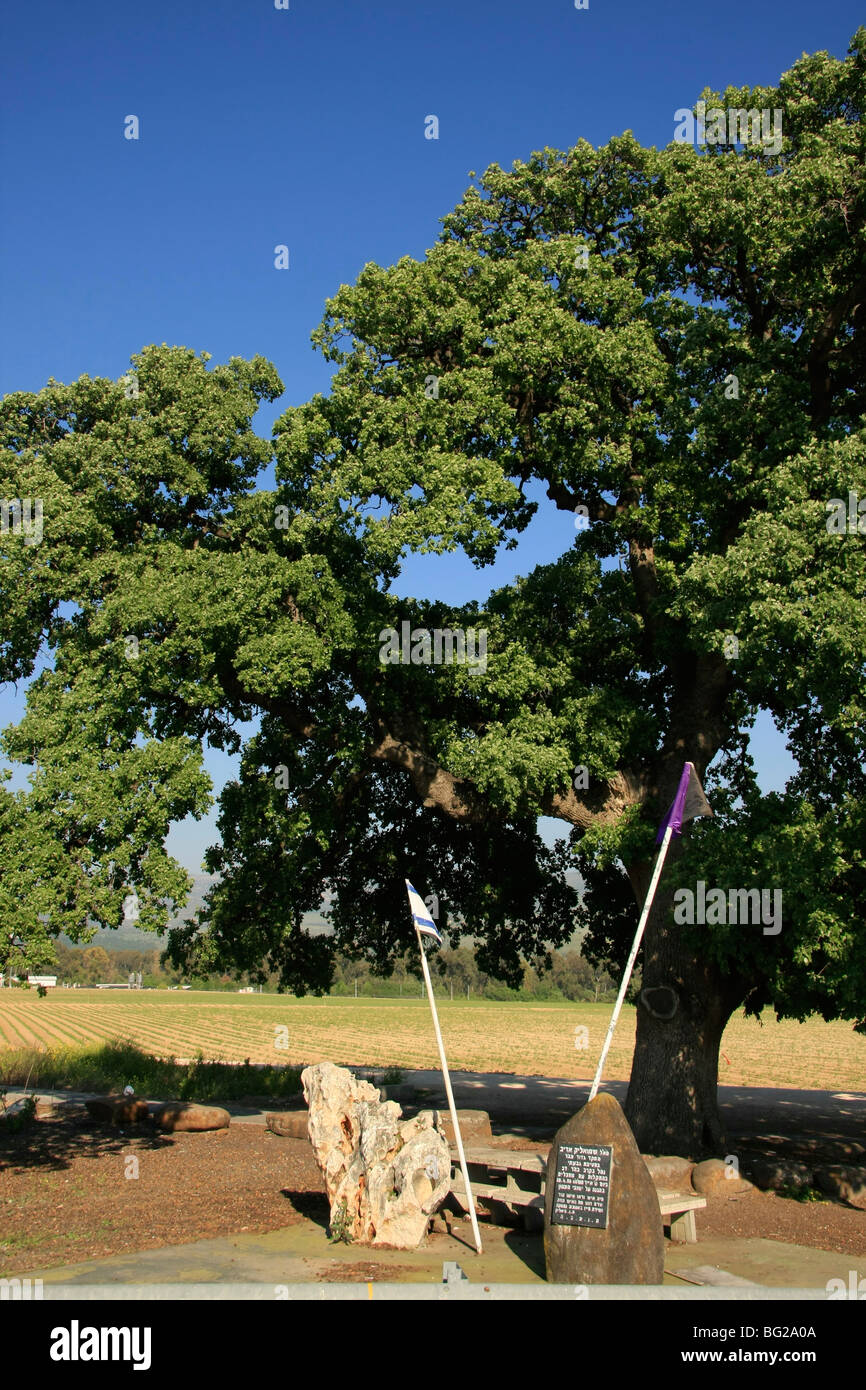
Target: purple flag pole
(674, 817)
(671, 825)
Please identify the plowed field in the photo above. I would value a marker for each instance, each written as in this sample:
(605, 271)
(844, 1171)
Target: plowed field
(536, 1039)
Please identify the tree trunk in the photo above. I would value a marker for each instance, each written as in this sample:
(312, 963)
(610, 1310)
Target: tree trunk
(685, 1003)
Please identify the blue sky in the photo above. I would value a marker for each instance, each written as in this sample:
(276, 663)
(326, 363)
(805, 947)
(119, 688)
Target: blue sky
(305, 127)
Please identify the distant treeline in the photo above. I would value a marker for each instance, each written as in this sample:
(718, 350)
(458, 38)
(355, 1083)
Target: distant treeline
(93, 965)
(455, 974)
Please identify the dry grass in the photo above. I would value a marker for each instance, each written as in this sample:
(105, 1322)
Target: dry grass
(536, 1039)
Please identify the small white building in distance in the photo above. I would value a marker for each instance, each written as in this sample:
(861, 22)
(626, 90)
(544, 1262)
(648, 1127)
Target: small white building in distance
(50, 981)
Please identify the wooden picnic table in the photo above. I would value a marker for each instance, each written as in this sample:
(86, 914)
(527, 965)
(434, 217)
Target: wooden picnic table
(516, 1177)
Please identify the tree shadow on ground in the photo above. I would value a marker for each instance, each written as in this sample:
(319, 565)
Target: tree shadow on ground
(53, 1144)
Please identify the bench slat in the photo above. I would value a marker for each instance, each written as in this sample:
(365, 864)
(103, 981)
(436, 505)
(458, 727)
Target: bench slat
(516, 1160)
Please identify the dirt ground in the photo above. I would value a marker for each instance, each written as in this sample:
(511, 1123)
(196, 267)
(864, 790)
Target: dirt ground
(73, 1190)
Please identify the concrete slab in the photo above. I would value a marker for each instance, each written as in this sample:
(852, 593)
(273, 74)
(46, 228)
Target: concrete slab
(718, 1278)
(302, 1253)
(773, 1263)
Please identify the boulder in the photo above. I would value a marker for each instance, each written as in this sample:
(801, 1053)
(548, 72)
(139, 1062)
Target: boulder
(669, 1172)
(178, 1116)
(385, 1176)
(129, 1112)
(117, 1110)
(772, 1174)
(630, 1248)
(403, 1093)
(844, 1181)
(101, 1107)
(290, 1124)
(712, 1178)
(474, 1126)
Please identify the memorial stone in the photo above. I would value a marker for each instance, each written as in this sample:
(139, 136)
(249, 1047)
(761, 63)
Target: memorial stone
(602, 1223)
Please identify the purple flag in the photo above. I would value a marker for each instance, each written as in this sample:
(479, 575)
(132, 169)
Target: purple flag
(688, 803)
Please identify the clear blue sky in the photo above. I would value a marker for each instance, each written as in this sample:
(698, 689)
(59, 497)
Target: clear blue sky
(305, 127)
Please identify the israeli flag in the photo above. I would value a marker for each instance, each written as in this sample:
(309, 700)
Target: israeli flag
(421, 913)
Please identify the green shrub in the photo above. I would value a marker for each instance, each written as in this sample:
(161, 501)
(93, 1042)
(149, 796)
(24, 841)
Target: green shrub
(801, 1194)
(338, 1229)
(111, 1066)
(22, 1118)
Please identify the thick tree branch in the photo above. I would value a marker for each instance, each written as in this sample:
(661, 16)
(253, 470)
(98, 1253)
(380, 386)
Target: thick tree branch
(821, 350)
(566, 501)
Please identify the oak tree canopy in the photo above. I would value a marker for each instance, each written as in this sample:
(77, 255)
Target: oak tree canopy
(668, 343)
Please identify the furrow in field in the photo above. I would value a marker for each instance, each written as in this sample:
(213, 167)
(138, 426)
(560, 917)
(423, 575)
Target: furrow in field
(79, 1033)
(18, 1033)
(51, 1033)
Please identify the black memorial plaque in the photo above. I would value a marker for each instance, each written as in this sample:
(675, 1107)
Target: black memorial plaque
(581, 1185)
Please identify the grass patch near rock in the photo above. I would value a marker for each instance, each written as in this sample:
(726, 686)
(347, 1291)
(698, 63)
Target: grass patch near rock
(111, 1066)
(796, 1193)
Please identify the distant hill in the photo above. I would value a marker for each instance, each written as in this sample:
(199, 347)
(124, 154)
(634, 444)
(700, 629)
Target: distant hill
(129, 937)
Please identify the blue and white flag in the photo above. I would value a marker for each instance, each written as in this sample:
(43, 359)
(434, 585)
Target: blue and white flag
(421, 913)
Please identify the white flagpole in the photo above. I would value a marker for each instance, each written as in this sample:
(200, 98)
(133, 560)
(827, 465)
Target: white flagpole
(632, 958)
(450, 1095)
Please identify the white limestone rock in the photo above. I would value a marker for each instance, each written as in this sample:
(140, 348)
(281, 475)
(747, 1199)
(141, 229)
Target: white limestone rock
(385, 1176)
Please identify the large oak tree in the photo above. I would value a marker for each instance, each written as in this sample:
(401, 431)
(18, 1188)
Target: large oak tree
(668, 344)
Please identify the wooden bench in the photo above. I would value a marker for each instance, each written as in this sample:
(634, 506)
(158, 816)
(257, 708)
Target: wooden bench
(516, 1180)
(681, 1208)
